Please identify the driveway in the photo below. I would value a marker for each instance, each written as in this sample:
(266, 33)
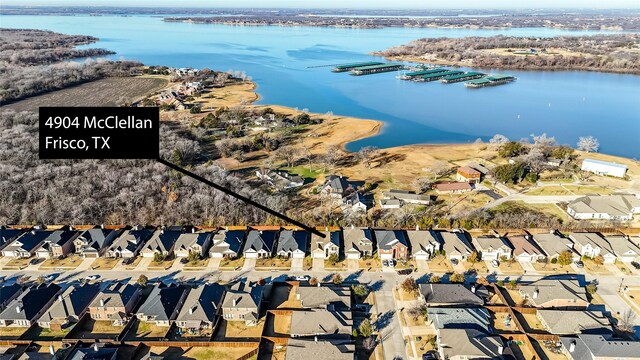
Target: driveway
(214, 263)
(613, 268)
(318, 264)
(297, 264)
(459, 268)
(85, 264)
(353, 264)
(423, 266)
(492, 268)
(576, 269)
(492, 194)
(528, 268)
(144, 263)
(249, 264)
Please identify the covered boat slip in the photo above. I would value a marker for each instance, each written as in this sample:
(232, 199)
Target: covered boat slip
(491, 80)
(351, 66)
(374, 69)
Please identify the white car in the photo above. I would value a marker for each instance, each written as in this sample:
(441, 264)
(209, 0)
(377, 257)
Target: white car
(495, 263)
(92, 277)
(302, 278)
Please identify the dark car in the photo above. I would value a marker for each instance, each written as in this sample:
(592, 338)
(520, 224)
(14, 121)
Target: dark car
(405, 271)
(635, 265)
(431, 355)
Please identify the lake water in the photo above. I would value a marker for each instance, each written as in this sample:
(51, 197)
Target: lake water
(564, 104)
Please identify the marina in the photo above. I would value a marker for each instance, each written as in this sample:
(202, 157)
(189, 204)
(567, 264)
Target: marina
(374, 69)
(348, 67)
(434, 77)
(411, 75)
(492, 80)
(461, 77)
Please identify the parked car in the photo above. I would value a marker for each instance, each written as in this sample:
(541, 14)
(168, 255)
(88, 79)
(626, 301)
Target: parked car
(405, 271)
(495, 263)
(454, 261)
(579, 264)
(92, 277)
(635, 265)
(431, 355)
(302, 278)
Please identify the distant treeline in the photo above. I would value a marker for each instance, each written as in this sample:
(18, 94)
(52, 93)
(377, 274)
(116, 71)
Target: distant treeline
(117, 191)
(611, 53)
(36, 61)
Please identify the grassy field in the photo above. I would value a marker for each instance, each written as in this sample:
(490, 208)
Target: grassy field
(221, 353)
(510, 267)
(105, 263)
(143, 329)
(232, 263)
(273, 262)
(47, 334)
(440, 264)
(70, 262)
(551, 209)
(12, 332)
(161, 265)
(549, 190)
(238, 329)
(105, 92)
(17, 263)
(282, 324)
(584, 190)
(304, 171)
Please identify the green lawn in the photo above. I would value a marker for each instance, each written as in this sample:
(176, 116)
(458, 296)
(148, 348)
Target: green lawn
(304, 171)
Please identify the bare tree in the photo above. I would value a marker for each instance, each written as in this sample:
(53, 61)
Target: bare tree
(288, 154)
(367, 154)
(543, 141)
(498, 139)
(438, 168)
(422, 184)
(588, 144)
(333, 155)
(626, 324)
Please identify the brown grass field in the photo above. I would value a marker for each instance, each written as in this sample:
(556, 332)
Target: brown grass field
(104, 92)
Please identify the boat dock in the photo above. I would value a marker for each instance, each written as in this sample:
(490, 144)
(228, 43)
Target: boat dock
(374, 69)
(491, 80)
(438, 76)
(461, 77)
(348, 67)
(414, 74)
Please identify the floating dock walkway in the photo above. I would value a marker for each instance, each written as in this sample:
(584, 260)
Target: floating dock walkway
(438, 76)
(491, 80)
(461, 77)
(374, 69)
(348, 67)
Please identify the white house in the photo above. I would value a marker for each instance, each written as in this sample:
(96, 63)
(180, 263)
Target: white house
(492, 248)
(604, 167)
(424, 243)
(609, 207)
(623, 248)
(592, 245)
(456, 245)
(323, 248)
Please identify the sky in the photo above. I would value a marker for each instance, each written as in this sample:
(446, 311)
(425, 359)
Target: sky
(352, 4)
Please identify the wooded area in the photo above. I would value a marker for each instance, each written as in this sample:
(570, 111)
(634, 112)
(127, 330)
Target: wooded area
(611, 53)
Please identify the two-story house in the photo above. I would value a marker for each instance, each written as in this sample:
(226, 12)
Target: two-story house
(336, 187)
(260, 244)
(424, 243)
(202, 309)
(592, 245)
(323, 248)
(25, 245)
(242, 303)
(59, 243)
(25, 309)
(69, 306)
(455, 245)
(163, 304)
(193, 242)
(492, 248)
(129, 243)
(115, 303)
(358, 242)
(392, 244)
(293, 244)
(227, 244)
(162, 242)
(93, 243)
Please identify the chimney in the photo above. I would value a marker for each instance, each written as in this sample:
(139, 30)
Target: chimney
(417, 227)
(95, 347)
(315, 339)
(18, 308)
(191, 311)
(500, 349)
(326, 228)
(352, 227)
(60, 298)
(193, 230)
(102, 226)
(52, 351)
(535, 293)
(236, 301)
(101, 302)
(33, 232)
(473, 288)
(572, 346)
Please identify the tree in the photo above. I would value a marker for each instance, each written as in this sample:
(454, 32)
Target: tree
(543, 141)
(422, 185)
(509, 173)
(456, 278)
(435, 279)
(438, 168)
(498, 139)
(333, 259)
(409, 285)
(369, 343)
(313, 281)
(511, 149)
(333, 156)
(588, 144)
(360, 290)
(592, 288)
(142, 281)
(418, 310)
(196, 109)
(565, 258)
(159, 257)
(627, 321)
(337, 279)
(598, 260)
(482, 281)
(513, 284)
(365, 328)
(367, 154)
(288, 154)
(473, 258)
(193, 257)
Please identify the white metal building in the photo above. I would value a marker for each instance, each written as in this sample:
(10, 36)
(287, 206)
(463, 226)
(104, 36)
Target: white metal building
(604, 167)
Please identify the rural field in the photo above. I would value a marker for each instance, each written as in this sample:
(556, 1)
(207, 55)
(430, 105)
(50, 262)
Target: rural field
(104, 92)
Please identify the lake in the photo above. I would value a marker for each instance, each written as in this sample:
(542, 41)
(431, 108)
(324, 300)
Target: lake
(564, 104)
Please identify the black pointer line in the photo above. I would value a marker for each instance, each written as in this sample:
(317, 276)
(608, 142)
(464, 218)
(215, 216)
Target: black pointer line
(240, 197)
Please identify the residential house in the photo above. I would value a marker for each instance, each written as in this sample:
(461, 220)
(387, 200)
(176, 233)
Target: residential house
(115, 303)
(625, 250)
(337, 187)
(25, 309)
(94, 352)
(525, 250)
(162, 242)
(592, 245)
(424, 243)
(391, 203)
(333, 298)
(8, 235)
(25, 245)
(242, 303)
(202, 308)
(59, 243)
(562, 322)
(392, 244)
(455, 245)
(450, 295)
(69, 306)
(554, 244)
(453, 188)
(492, 248)
(358, 242)
(357, 202)
(280, 180)
(227, 244)
(459, 318)
(323, 248)
(193, 242)
(552, 293)
(93, 243)
(260, 244)
(8, 293)
(604, 167)
(163, 304)
(321, 323)
(320, 349)
(468, 174)
(293, 244)
(406, 197)
(462, 344)
(609, 207)
(599, 347)
(128, 244)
